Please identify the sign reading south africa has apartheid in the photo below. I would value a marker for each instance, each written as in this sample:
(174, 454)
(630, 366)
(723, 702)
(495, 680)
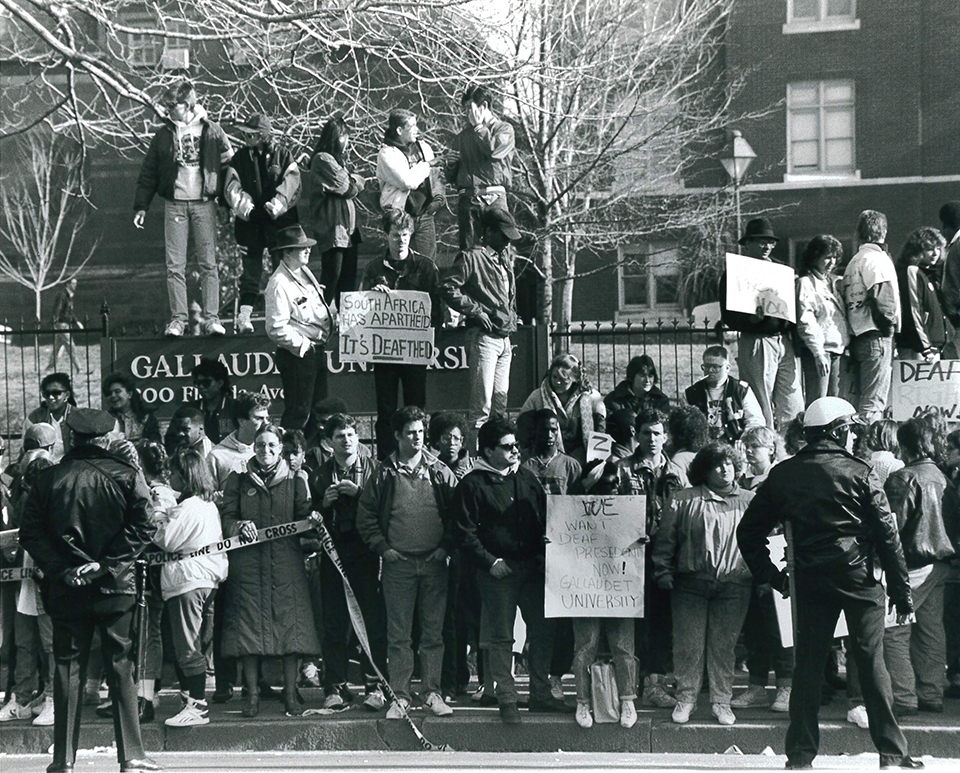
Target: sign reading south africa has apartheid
(595, 555)
(919, 386)
(393, 327)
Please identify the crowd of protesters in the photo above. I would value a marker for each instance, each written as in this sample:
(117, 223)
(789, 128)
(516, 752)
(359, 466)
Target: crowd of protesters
(441, 531)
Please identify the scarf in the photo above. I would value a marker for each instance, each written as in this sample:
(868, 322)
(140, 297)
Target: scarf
(550, 399)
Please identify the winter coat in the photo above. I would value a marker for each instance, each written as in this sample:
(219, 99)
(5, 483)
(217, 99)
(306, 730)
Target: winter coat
(229, 455)
(259, 175)
(916, 495)
(583, 413)
(92, 506)
(189, 526)
(42, 415)
(637, 476)
(623, 396)
(821, 318)
(267, 610)
(333, 213)
(480, 280)
(925, 328)
(698, 536)
(298, 317)
(137, 428)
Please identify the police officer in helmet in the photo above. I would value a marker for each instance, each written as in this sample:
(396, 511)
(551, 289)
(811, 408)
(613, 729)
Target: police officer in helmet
(843, 534)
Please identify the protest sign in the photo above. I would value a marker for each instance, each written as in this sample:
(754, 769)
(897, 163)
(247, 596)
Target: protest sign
(599, 446)
(753, 283)
(919, 386)
(392, 327)
(595, 556)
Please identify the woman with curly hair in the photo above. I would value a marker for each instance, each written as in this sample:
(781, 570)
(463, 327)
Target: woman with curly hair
(695, 555)
(578, 406)
(689, 432)
(123, 402)
(925, 330)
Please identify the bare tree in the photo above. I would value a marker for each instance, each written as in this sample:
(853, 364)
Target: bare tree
(43, 216)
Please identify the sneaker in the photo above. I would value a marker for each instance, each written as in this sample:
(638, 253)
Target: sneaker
(174, 329)
(723, 714)
(510, 714)
(338, 696)
(858, 716)
(435, 703)
(36, 704)
(583, 716)
(628, 714)
(654, 693)
(484, 697)
(374, 700)
(223, 694)
(781, 703)
(193, 713)
(13, 709)
(91, 694)
(753, 697)
(309, 674)
(556, 687)
(398, 708)
(46, 717)
(682, 712)
(243, 324)
(212, 327)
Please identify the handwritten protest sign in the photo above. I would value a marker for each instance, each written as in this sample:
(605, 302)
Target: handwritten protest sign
(599, 446)
(595, 556)
(389, 327)
(753, 283)
(918, 386)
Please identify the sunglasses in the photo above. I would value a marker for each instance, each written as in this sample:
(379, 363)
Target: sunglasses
(509, 446)
(54, 392)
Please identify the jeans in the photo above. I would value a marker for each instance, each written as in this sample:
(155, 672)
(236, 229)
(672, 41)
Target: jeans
(387, 379)
(586, 639)
(363, 573)
(469, 206)
(867, 375)
(180, 218)
(501, 598)
(654, 631)
(424, 240)
(34, 643)
(338, 272)
(707, 618)
(489, 358)
(769, 365)
(407, 585)
(186, 623)
(762, 638)
(456, 670)
(304, 382)
(819, 599)
(915, 653)
(816, 386)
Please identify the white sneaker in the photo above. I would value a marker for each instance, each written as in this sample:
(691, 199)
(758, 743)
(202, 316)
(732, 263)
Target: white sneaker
(654, 693)
(395, 711)
(374, 700)
(45, 717)
(435, 703)
(36, 705)
(858, 716)
(212, 327)
(628, 714)
(723, 714)
(753, 697)
(13, 709)
(584, 717)
(333, 701)
(174, 329)
(781, 703)
(242, 324)
(556, 687)
(682, 712)
(193, 713)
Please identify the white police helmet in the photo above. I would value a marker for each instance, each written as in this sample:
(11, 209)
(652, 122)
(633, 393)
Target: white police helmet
(830, 413)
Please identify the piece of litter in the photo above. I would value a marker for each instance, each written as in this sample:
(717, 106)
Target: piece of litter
(768, 752)
(733, 750)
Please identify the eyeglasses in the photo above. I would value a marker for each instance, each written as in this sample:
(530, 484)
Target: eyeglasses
(509, 446)
(54, 392)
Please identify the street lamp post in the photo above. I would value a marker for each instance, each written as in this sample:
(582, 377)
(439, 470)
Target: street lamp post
(738, 155)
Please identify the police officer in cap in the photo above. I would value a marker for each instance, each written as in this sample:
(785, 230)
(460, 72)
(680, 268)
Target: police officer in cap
(84, 522)
(838, 523)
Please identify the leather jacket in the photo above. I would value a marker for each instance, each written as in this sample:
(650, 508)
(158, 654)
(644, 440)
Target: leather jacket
(839, 516)
(93, 506)
(916, 498)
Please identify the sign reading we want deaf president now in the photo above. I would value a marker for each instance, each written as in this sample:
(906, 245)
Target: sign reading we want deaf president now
(595, 556)
(393, 327)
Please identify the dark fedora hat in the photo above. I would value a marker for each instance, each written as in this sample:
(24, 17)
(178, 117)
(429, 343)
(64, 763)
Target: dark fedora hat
(758, 228)
(291, 238)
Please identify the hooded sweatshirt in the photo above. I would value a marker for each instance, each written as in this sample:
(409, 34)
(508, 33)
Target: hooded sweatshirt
(189, 183)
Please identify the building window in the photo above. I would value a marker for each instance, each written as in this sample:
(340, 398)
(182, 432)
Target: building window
(820, 128)
(649, 279)
(821, 16)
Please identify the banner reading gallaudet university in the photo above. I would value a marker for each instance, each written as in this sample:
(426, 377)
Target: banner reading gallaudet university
(918, 386)
(161, 367)
(595, 556)
(392, 327)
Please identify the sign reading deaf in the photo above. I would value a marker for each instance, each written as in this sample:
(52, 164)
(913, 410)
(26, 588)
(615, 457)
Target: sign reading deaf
(391, 327)
(753, 284)
(920, 386)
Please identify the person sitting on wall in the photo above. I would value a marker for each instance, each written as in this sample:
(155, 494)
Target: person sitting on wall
(639, 389)
(124, 403)
(729, 404)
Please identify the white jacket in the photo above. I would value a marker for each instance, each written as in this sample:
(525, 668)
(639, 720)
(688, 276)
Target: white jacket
(297, 314)
(397, 178)
(229, 455)
(189, 526)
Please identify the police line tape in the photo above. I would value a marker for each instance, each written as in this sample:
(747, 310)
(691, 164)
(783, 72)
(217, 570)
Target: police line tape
(157, 558)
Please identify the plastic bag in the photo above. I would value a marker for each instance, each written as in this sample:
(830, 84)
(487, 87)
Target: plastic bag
(603, 688)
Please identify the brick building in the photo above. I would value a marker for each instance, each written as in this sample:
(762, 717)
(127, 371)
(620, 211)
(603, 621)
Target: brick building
(864, 113)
